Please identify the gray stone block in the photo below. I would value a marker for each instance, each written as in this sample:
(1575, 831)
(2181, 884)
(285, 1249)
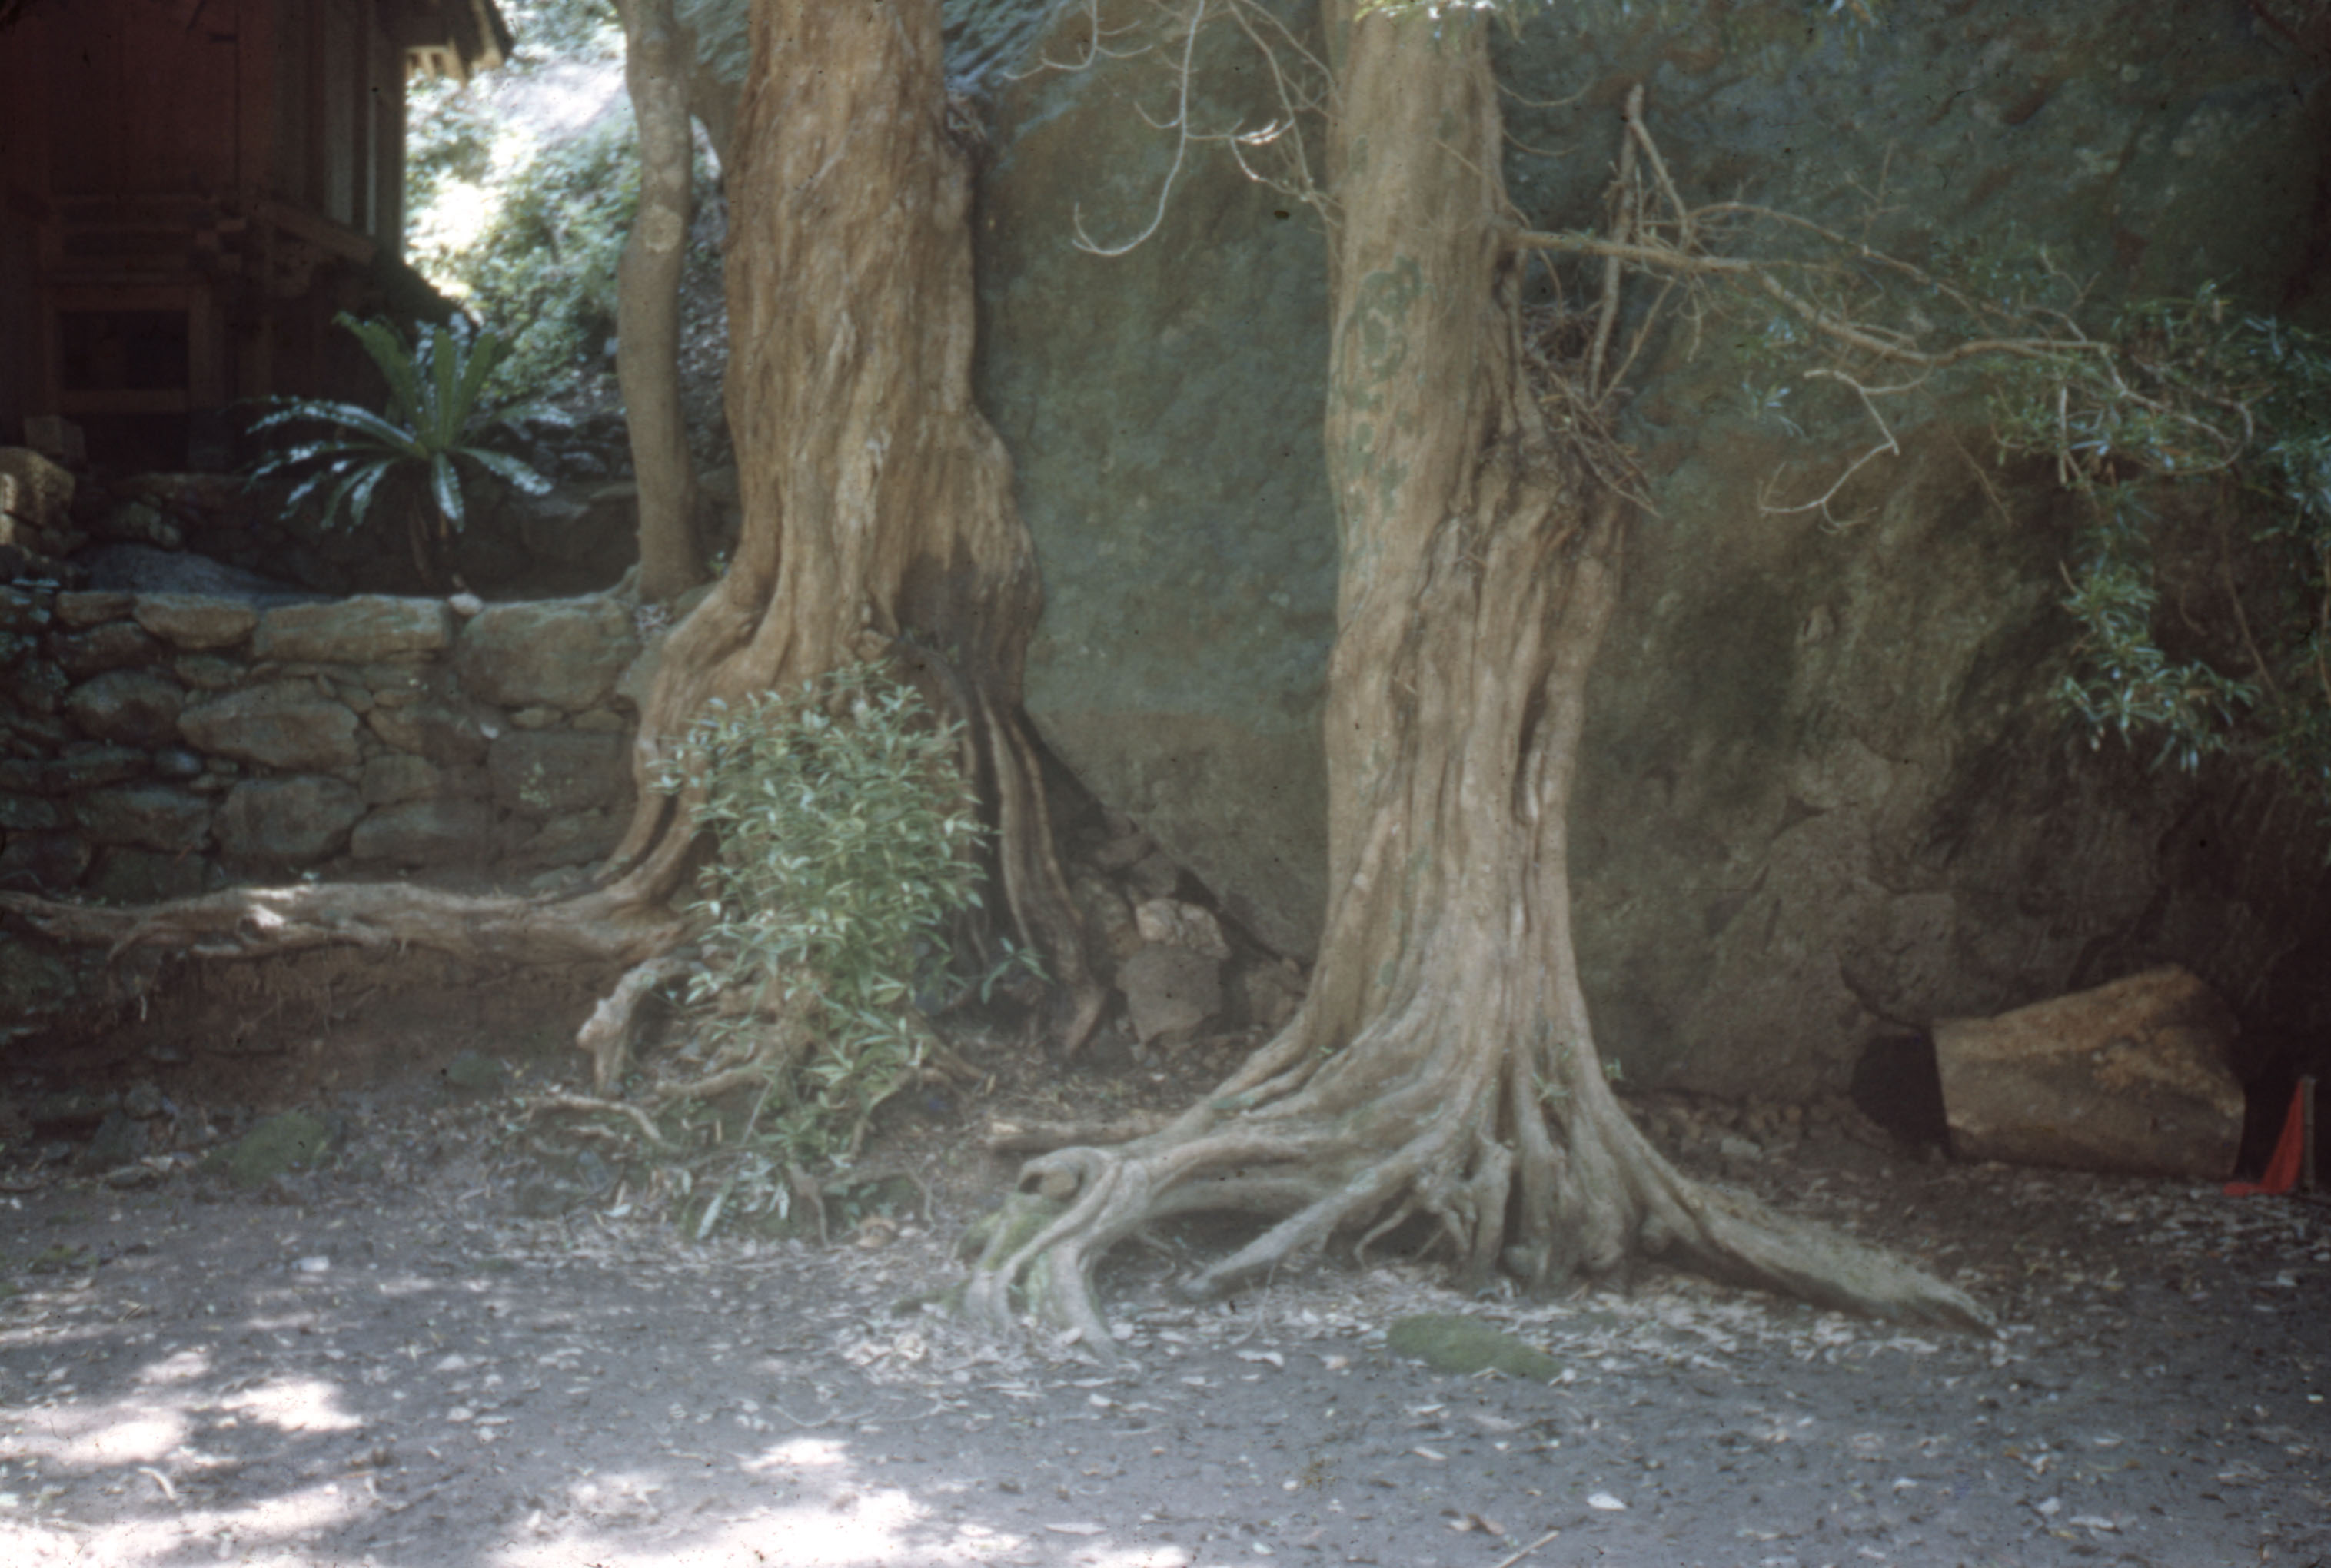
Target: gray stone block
(191, 622)
(288, 821)
(427, 833)
(284, 724)
(146, 817)
(354, 630)
(562, 654)
(130, 707)
(549, 772)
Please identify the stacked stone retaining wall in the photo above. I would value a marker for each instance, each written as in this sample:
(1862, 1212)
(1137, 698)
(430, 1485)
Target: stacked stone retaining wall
(160, 745)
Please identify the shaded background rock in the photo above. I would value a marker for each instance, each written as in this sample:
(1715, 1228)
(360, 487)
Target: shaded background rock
(1824, 797)
(1169, 992)
(1163, 409)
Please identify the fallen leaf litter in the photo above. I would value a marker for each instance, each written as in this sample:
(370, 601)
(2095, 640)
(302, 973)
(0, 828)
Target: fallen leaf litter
(398, 1373)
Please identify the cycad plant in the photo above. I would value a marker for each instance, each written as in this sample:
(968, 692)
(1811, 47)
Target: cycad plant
(414, 453)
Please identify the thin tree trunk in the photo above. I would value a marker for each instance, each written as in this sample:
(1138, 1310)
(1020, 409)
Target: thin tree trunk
(1443, 1065)
(657, 55)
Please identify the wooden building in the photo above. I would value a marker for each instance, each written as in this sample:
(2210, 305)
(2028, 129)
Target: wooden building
(190, 189)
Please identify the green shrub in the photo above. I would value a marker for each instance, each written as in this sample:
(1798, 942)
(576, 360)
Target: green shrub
(2207, 428)
(847, 841)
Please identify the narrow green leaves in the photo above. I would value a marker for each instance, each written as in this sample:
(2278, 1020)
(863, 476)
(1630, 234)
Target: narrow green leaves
(420, 445)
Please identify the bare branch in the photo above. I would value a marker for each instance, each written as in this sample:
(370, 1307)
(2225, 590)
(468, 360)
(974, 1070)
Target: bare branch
(1622, 214)
(1095, 50)
(1887, 447)
(1181, 125)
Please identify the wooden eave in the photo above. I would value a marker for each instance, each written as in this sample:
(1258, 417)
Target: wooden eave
(455, 38)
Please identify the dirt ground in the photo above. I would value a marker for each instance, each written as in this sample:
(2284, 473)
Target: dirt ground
(441, 1345)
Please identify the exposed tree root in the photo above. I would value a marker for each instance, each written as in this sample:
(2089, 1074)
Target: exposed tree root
(1328, 1163)
(559, 1100)
(606, 1036)
(1042, 1137)
(257, 922)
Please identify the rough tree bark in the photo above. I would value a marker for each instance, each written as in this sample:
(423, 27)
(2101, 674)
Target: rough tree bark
(878, 518)
(1443, 1064)
(658, 57)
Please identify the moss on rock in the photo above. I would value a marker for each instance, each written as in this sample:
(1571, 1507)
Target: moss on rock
(1451, 1341)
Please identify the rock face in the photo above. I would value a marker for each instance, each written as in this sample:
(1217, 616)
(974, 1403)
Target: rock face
(1180, 515)
(1824, 795)
(2131, 1077)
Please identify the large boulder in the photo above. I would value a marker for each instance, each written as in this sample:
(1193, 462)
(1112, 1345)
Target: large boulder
(1824, 795)
(2135, 1076)
(1162, 408)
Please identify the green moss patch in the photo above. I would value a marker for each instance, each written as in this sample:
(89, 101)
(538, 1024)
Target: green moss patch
(1450, 1342)
(277, 1144)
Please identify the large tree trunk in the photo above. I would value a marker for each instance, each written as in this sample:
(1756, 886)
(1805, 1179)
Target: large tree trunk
(878, 518)
(1443, 1064)
(658, 56)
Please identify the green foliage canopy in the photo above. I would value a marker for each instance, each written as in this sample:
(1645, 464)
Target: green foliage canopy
(2205, 420)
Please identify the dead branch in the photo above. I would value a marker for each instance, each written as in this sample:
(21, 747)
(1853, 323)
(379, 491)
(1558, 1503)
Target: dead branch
(562, 1100)
(1043, 1137)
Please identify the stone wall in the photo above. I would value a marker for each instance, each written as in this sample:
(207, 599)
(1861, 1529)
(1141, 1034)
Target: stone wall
(159, 745)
